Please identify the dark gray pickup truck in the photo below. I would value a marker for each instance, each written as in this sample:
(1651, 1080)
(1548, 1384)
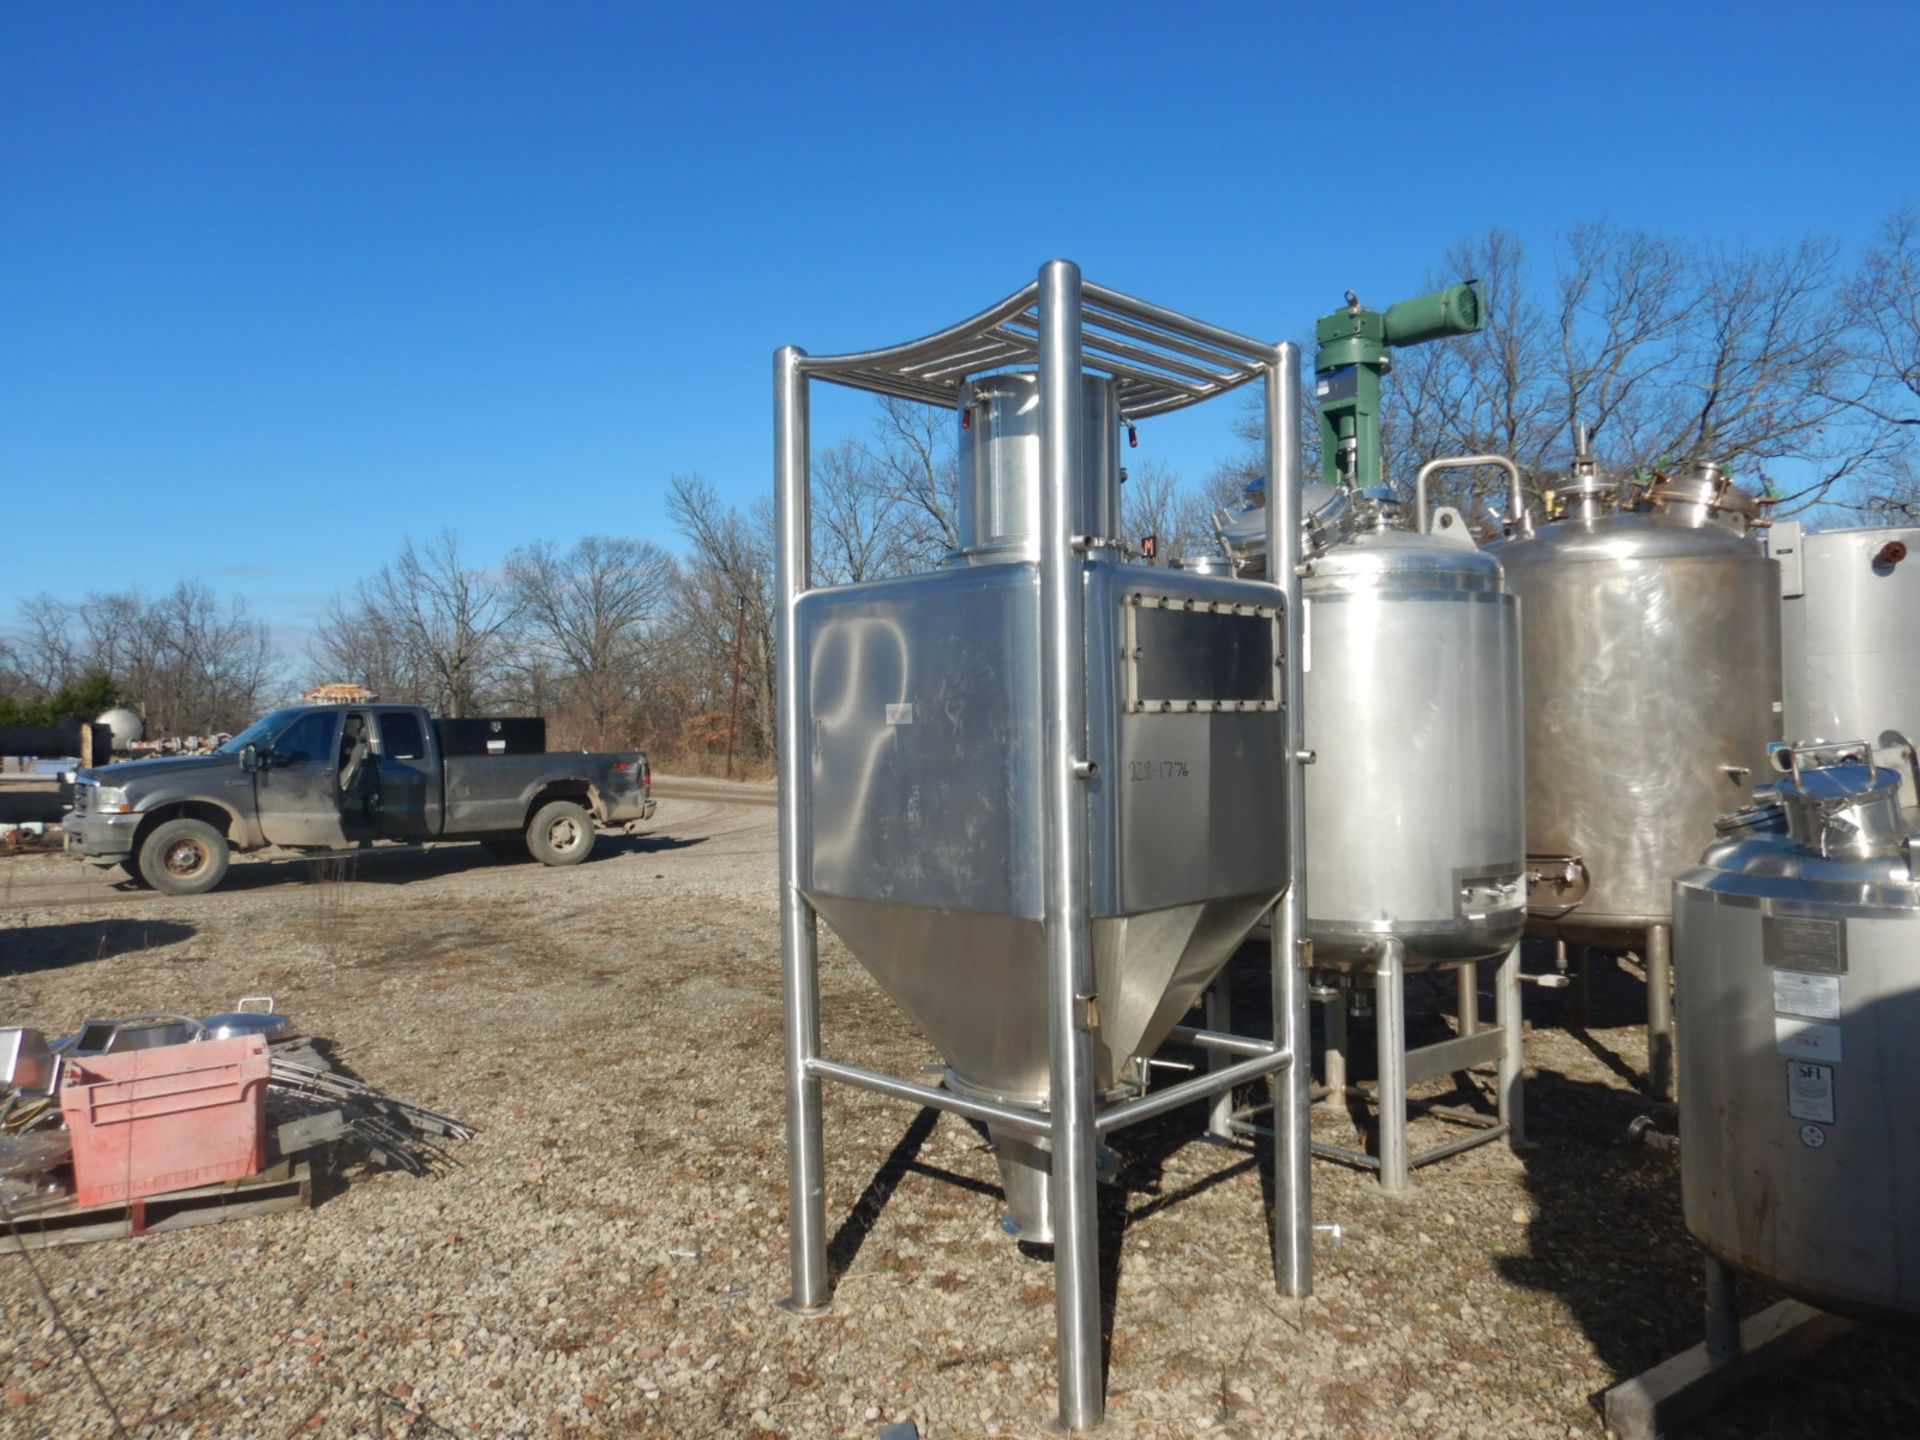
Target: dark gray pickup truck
(324, 777)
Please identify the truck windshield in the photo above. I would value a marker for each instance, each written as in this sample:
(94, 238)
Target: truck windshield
(260, 732)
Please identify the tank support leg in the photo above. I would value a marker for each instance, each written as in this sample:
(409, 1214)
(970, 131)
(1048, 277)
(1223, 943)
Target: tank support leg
(1390, 1032)
(1723, 1316)
(1336, 1057)
(1219, 1012)
(1580, 995)
(1513, 1060)
(1660, 1012)
(1467, 987)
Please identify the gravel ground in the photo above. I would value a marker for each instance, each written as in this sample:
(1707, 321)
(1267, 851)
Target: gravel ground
(606, 1261)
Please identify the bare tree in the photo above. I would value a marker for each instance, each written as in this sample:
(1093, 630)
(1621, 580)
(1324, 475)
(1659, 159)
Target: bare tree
(1892, 496)
(1149, 505)
(1625, 298)
(1761, 367)
(1883, 303)
(913, 452)
(190, 662)
(210, 664)
(1488, 392)
(724, 604)
(587, 615)
(449, 618)
(361, 642)
(1670, 354)
(864, 526)
(46, 653)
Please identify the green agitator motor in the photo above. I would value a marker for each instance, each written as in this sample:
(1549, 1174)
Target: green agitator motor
(1352, 356)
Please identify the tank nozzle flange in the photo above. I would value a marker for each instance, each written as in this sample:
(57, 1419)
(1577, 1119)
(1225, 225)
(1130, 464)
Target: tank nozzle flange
(1644, 1131)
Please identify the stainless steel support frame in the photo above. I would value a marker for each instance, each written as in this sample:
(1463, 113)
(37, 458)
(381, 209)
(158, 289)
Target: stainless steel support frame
(1292, 953)
(1219, 1012)
(1063, 638)
(1065, 324)
(1580, 969)
(1722, 1312)
(1659, 959)
(799, 928)
(1666, 1399)
(1390, 1039)
(1400, 1068)
(1334, 1057)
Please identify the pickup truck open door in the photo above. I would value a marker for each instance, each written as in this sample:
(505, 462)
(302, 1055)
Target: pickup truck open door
(297, 783)
(409, 805)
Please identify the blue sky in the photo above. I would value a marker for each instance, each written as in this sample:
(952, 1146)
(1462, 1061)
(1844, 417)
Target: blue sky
(279, 283)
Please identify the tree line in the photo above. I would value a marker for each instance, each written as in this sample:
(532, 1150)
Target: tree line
(1793, 367)
(1789, 360)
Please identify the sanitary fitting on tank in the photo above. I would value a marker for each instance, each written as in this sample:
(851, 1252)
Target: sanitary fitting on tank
(1585, 495)
(1646, 1131)
(1564, 878)
(1889, 555)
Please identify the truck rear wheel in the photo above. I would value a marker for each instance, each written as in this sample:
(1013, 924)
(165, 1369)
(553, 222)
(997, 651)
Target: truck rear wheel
(560, 833)
(184, 857)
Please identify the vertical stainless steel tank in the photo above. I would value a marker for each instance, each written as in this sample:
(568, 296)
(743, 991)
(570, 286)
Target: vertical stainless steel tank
(1850, 630)
(1651, 667)
(1797, 950)
(1415, 818)
(1415, 806)
(924, 779)
(1415, 803)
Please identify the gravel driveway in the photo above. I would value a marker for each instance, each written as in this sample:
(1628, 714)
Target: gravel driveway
(606, 1261)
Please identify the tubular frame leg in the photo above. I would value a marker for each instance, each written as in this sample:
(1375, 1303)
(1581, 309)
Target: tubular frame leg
(1660, 1012)
(1580, 995)
(1219, 1013)
(1063, 640)
(1291, 955)
(799, 928)
(1466, 982)
(1335, 1067)
(1513, 1056)
(1722, 1313)
(1390, 1031)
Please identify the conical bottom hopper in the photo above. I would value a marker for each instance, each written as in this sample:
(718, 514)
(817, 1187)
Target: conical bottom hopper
(976, 984)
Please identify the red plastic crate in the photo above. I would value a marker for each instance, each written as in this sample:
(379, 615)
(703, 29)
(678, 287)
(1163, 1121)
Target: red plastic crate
(151, 1121)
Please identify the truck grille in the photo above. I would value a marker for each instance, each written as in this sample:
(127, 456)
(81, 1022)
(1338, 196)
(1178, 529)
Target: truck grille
(82, 799)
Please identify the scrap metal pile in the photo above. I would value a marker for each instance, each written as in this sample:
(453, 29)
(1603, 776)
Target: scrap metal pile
(124, 1111)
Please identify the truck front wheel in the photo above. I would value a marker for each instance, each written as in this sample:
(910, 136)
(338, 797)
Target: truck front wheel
(560, 833)
(184, 857)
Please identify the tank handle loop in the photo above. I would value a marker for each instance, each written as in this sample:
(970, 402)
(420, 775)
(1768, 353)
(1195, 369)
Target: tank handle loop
(1516, 503)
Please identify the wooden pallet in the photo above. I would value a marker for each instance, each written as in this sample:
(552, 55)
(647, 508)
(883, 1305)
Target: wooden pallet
(286, 1186)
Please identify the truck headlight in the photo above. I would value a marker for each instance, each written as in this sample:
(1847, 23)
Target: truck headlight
(112, 799)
